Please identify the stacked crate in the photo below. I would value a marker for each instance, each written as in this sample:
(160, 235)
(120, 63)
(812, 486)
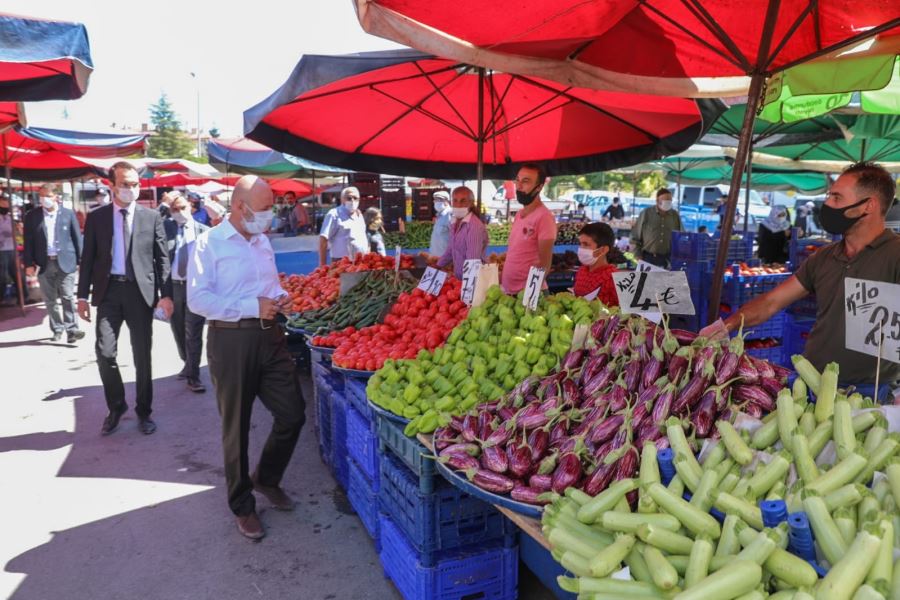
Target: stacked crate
(362, 449)
(436, 541)
(331, 416)
(801, 315)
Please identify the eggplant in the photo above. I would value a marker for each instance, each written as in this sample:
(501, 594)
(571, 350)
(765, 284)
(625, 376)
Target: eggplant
(500, 436)
(679, 363)
(597, 329)
(461, 448)
(772, 385)
(685, 338)
(460, 462)
(444, 436)
(746, 370)
(528, 495)
(494, 459)
(569, 444)
(605, 430)
(484, 424)
(727, 366)
(651, 392)
(571, 395)
(633, 375)
(754, 394)
(599, 479)
(492, 482)
(519, 459)
(599, 382)
(689, 394)
(572, 360)
(764, 367)
(652, 368)
(781, 373)
(662, 442)
(612, 324)
(559, 432)
(455, 424)
(618, 396)
(754, 410)
(620, 342)
(705, 361)
(470, 428)
(548, 463)
(527, 386)
(702, 418)
(627, 465)
(540, 482)
(663, 405)
(506, 413)
(639, 414)
(532, 421)
(539, 440)
(648, 432)
(593, 366)
(567, 473)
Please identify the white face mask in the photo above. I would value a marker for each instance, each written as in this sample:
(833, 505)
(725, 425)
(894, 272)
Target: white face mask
(439, 206)
(665, 205)
(127, 195)
(180, 217)
(260, 222)
(586, 256)
(460, 212)
(351, 205)
(48, 202)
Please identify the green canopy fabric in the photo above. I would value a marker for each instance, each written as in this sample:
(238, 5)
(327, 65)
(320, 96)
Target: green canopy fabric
(727, 130)
(761, 178)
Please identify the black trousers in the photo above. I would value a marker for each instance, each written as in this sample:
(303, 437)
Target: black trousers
(187, 328)
(244, 364)
(124, 302)
(660, 260)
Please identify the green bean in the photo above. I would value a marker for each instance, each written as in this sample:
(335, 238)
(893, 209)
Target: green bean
(737, 448)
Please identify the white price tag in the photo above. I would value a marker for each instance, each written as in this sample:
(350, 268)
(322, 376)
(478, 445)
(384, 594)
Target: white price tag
(872, 310)
(397, 259)
(533, 287)
(471, 268)
(432, 281)
(645, 266)
(648, 291)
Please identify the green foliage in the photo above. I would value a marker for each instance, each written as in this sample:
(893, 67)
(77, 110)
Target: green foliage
(647, 183)
(214, 132)
(170, 141)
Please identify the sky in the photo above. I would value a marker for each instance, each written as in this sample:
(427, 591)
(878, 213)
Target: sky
(240, 51)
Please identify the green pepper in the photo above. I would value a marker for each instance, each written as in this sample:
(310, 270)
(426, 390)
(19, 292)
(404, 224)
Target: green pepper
(469, 402)
(411, 411)
(446, 403)
(455, 335)
(412, 428)
(471, 337)
(521, 371)
(533, 355)
(411, 393)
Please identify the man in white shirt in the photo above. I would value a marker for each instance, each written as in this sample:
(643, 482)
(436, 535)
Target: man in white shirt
(440, 233)
(233, 282)
(343, 229)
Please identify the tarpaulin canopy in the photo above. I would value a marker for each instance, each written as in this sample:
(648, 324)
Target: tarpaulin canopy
(763, 178)
(49, 165)
(409, 113)
(692, 48)
(183, 180)
(43, 60)
(242, 155)
(283, 186)
(78, 143)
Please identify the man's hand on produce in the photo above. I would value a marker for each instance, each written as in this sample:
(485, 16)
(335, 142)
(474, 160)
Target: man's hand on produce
(268, 308)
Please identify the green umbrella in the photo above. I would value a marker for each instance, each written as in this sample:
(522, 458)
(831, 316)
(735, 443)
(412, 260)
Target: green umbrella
(726, 131)
(866, 137)
(764, 178)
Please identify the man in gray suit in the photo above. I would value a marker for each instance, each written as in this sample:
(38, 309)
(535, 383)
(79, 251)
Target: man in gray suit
(125, 271)
(53, 244)
(182, 232)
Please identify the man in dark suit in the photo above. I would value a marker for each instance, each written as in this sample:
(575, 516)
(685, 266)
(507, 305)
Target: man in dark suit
(124, 269)
(53, 244)
(182, 232)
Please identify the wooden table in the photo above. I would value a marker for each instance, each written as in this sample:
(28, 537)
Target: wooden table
(529, 525)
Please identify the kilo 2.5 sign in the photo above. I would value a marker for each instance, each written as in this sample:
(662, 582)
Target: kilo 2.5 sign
(653, 291)
(872, 310)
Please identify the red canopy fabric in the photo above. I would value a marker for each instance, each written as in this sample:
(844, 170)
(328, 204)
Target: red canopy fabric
(283, 186)
(50, 165)
(413, 114)
(680, 48)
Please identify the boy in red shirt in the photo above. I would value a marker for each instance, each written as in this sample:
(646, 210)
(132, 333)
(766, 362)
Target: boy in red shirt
(597, 250)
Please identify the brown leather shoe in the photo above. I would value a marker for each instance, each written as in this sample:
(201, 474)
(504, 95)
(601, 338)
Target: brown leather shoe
(251, 527)
(274, 494)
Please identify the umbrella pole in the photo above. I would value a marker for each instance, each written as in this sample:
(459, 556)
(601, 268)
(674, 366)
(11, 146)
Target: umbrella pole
(480, 157)
(747, 191)
(740, 161)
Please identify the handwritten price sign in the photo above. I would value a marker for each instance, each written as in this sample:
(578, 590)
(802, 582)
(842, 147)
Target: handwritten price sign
(432, 281)
(650, 291)
(471, 268)
(872, 310)
(533, 288)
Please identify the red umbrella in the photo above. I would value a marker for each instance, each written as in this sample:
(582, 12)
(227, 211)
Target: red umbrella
(283, 186)
(11, 115)
(50, 165)
(409, 113)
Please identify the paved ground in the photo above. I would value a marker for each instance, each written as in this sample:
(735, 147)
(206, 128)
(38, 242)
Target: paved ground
(134, 516)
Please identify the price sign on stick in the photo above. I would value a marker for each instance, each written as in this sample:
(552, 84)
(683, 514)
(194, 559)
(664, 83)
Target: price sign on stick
(533, 288)
(471, 268)
(432, 281)
(872, 317)
(397, 260)
(653, 291)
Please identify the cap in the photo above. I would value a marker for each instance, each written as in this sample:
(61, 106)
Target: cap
(810, 204)
(441, 196)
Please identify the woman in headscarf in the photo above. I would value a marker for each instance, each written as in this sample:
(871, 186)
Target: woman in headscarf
(374, 229)
(773, 235)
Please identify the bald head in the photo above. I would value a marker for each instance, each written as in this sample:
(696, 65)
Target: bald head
(251, 195)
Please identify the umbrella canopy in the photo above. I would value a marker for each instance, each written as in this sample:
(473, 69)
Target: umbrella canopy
(414, 114)
(864, 137)
(726, 131)
(50, 165)
(77, 143)
(283, 186)
(763, 178)
(43, 60)
(691, 48)
(12, 114)
(242, 155)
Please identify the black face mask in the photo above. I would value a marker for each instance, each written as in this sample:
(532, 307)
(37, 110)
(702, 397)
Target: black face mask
(526, 198)
(836, 221)
(4, 210)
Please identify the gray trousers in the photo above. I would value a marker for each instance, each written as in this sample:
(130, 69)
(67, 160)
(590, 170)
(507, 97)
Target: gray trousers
(58, 288)
(187, 328)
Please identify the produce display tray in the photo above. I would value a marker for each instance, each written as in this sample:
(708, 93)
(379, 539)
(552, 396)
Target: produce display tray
(324, 350)
(386, 414)
(296, 330)
(353, 372)
(468, 487)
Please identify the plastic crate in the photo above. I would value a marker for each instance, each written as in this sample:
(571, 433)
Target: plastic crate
(703, 247)
(413, 454)
(741, 289)
(799, 249)
(362, 446)
(364, 501)
(339, 459)
(773, 328)
(805, 308)
(482, 572)
(697, 273)
(355, 391)
(541, 563)
(323, 423)
(442, 520)
(775, 354)
(796, 330)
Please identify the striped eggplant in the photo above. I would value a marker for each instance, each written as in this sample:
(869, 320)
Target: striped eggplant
(652, 368)
(781, 373)
(571, 394)
(771, 385)
(754, 410)
(702, 418)
(601, 380)
(548, 464)
(443, 437)
(519, 459)
(461, 448)
(633, 375)
(689, 394)
(529, 495)
(612, 324)
(460, 462)
(764, 367)
(599, 479)
(491, 481)
(506, 413)
(494, 459)
(470, 428)
(649, 393)
(753, 393)
(540, 482)
(705, 361)
(639, 414)
(455, 424)
(538, 441)
(501, 435)
(571, 444)
(618, 396)
(663, 405)
(606, 429)
(746, 370)
(595, 414)
(549, 384)
(679, 363)
(487, 426)
(727, 366)
(648, 432)
(572, 360)
(532, 421)
(620, 342)
(567, 473)
(593, 366)
(627, 465)
(662, 442)
(684, 338)
(597, 330)
(559, 433)
(527, 386)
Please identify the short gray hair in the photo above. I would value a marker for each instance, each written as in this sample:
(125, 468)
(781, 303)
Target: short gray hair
(347, 190)
(470, 195)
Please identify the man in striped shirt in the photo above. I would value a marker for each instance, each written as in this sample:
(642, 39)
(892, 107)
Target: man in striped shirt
(468, 235)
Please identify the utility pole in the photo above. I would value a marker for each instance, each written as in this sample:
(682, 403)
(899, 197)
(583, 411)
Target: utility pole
(197, 81)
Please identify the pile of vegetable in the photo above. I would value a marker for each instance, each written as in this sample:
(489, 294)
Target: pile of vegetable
(416, 322)
(567, 233)
(498, 234)
(746, 270)
(815, 475)
(361, 306)
(321, 287)
(498, 345)
(582, 425)
(417, 235)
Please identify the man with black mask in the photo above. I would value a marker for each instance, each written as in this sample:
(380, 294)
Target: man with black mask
(855, 207)
(533, 232)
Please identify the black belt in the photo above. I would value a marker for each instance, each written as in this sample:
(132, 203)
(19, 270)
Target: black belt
(119, 278)
(243, 324)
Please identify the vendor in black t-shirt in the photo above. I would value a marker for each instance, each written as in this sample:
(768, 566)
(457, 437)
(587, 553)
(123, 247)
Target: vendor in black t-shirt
(614, 210)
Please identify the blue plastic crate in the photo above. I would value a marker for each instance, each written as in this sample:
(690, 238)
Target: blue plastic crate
(323, 424)
(796, 330)
(697, 273)
(364, 501)
(741, 289)
(442, 520)
(339, 459)
(413, 454)
(481, 572)
(799, 249)
(703, 247)
(773, 328)
(541, 563)
(805, 308)
(362, 446)
(355, 390)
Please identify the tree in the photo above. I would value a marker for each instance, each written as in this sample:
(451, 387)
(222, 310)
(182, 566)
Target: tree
(170, 140)
(214, 132)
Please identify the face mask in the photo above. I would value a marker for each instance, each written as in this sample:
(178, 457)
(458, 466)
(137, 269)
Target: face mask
(351, 205)
(665, 205)
(259, 223)
(526, 198)
(127, 195)
(179, 217)
(586, 256)
(439, 206)
(48, 202)
(4, 210)
(460, 212)
(836, 221)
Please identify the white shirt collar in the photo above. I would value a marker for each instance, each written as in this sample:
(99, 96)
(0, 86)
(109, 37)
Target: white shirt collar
(49, 214)
(226, 230)
(128, 209)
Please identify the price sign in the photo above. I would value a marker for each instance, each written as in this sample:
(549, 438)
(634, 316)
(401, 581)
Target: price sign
(872, 317)
(397, 259)
(471, 268)
(648, 291)
(432, 281)
(533, 286)
(645, 266)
